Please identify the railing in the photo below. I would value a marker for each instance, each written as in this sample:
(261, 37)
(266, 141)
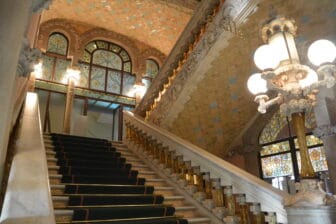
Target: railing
(256, 190)
(28, 198)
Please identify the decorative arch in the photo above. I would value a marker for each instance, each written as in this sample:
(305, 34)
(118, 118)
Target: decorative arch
(106, 66)
(110, 36)
(58, 26)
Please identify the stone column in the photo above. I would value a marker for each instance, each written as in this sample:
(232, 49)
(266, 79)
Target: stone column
(325, 113)
(68, 106)
(14, 15)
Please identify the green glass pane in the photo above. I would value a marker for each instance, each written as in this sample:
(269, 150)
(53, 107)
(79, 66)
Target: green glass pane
(146, 82)
(47, 67)
(317, 158)
(272, 128)
(91, 47)
(275, 166)
(97, 78)
(152, 68)
(124, 55)
(86, 57)
(311, 140)
(107, 59)
(127, 67)
(84, 75)
(128, 84)
(102, 44)
(58, 44)
(113, 82)
(275, 148)
(60, 69)
(115, 48)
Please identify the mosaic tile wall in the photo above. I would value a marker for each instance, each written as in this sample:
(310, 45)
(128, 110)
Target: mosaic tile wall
(221, 105)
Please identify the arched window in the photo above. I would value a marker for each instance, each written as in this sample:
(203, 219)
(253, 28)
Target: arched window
(55, 60)
(106, 67)
(152, 69)
(280, 155)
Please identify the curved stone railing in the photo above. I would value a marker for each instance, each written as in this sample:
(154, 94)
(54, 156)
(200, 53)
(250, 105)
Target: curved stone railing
(28, 198)
(256, 190)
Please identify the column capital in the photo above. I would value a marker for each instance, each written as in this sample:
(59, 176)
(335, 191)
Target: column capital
(39, 5)
(28, 57)
(324, 131)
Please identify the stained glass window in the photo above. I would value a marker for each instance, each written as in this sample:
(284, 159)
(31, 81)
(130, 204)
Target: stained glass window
(275, 166)
(57, 43)
(128, 83)
(275, 148)
(108, 67)
(55, 62)
(281, 157)
(107, 59)
(317, 158)
(152, 68)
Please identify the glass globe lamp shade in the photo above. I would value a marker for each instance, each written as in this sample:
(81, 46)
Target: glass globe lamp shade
(309, 79)
(322, 51)
(256, 84)
(265, 58)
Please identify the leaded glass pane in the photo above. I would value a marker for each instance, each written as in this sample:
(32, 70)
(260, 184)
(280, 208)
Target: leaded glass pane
(47, 67)
(146, 82)
(58, 44)
(275, 148)
(113, 82)
(152, 68)
(124, 55)
(317, 158)
(84, 75)
(279, 165)
(107, 59)
(310, 139)
(91, 47)
(97, 78)
(102, 44)
(128, 83)
(127, 67)
(115, 48)
(60, 69)
(272, 129)
(86, 57)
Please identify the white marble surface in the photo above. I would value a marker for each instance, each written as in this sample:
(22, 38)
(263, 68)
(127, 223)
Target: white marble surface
(28, 198)
(311, 215)
(256, 190)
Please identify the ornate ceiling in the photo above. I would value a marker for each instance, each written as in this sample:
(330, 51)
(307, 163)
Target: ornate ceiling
(157, 23)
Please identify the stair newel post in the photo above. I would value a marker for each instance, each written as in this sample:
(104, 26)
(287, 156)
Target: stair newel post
(218, 193)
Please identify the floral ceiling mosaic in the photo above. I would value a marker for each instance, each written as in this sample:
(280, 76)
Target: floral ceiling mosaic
(157, 23)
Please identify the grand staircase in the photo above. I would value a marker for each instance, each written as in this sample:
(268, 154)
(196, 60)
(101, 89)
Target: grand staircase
(93, 181)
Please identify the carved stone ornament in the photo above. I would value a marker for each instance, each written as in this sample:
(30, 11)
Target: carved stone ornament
(39, 5)
(310, 194)
(224, 21)
(324, 131)
(28, 57)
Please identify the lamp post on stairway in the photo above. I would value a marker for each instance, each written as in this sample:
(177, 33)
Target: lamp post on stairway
(296, 85)
(72, 76)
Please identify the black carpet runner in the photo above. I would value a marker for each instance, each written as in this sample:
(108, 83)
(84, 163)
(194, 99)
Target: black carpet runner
(103, 188)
